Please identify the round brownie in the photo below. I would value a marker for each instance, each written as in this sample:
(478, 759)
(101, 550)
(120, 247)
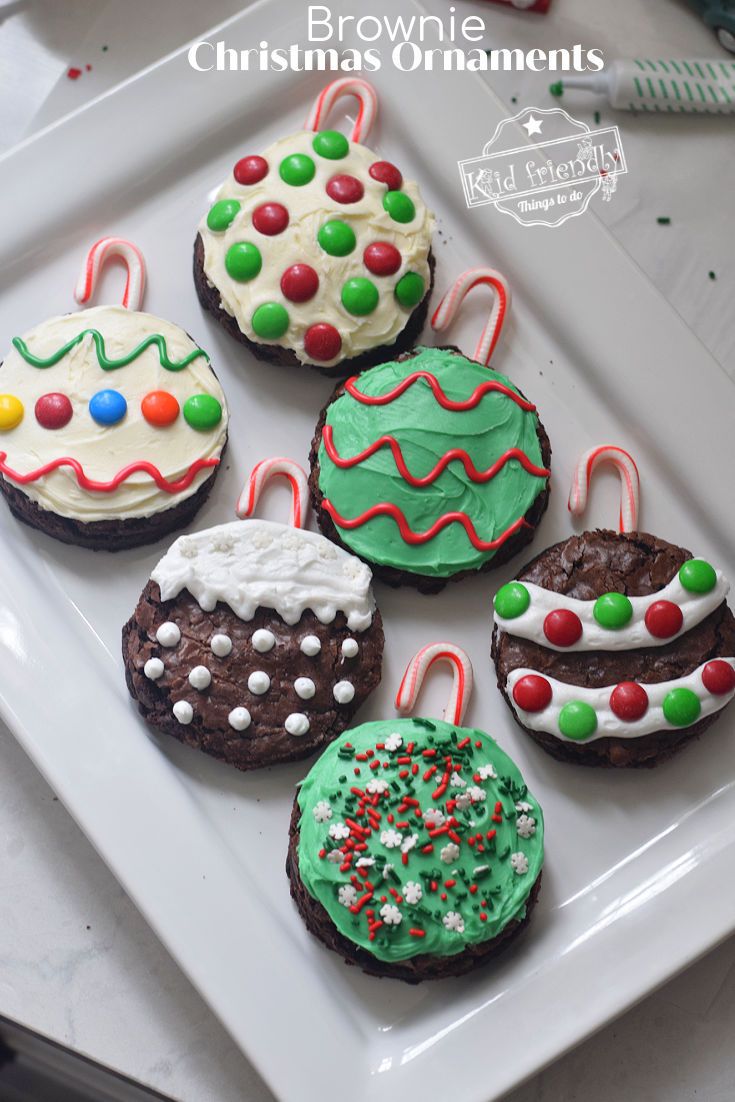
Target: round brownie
(415, 849)
(646, 643)
(391, 482)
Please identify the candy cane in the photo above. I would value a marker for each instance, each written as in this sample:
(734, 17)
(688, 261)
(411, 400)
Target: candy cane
(417, 670)
(588, 463)
(448, 308)
(98, 256)
(346, 86)
(261, 474)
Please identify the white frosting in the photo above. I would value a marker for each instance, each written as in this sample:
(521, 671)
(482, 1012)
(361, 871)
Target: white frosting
(221, 645)
(350, 648)
(694, 607)
(259, 682)
(311, 645)
(252, 563)
(183, 711)
(304, 687)
(344, 692)
(200, 678)
(263, 640)
(297, 723)
(169, 634)
(153, 669)
(104, 451)
(309, 207)
(239, 719)
(608, 724)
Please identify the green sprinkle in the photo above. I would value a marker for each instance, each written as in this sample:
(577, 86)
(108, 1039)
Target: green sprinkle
(712, 275)
(664, 221)
(557, 89)
(598, 118)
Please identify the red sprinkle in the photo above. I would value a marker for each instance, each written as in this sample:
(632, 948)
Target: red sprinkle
(483, 916)
(414, 932)
(74, 73)
(464, 742)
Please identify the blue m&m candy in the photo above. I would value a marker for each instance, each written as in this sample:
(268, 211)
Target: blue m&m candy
(107, 407)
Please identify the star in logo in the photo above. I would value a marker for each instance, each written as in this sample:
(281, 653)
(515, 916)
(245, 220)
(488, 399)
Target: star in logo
(533, 126)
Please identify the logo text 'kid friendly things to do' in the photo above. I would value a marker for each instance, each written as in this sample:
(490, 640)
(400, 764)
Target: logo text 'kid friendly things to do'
(550, 181)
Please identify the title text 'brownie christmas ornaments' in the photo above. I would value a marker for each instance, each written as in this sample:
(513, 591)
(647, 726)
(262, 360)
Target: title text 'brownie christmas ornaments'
(318, 252)
(415, 847)
(614, 649)
(112, 422)
(255, 641)
(433, 466)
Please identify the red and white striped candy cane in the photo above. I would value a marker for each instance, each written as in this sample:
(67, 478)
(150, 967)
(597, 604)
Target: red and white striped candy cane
(588, 463)
(271, 468)
(346, 86)
(417, 670)
(98, 256)
(449, 306)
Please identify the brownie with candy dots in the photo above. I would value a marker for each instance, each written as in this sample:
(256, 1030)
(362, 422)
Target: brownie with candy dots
(318, 252)
(615, 648)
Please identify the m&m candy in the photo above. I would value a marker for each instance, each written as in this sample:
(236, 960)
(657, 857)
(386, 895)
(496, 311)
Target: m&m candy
(160, 408)
(108, 407)
(11, 412)
(53, 411)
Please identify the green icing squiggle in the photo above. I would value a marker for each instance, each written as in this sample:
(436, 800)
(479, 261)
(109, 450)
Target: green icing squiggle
(105, 362)
(426, 432)
(477, 875)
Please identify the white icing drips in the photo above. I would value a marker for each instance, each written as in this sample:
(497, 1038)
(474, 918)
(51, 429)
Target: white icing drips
(257, 563)
(608, 724)
(695, 607)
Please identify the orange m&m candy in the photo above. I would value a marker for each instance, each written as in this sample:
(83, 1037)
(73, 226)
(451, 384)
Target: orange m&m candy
(160, 408)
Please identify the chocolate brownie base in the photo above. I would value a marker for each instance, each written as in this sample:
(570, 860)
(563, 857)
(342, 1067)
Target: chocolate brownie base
(425, 966)
(265, 741)
(638, 565)
(425, 583)
(107, 535)
(210, 299)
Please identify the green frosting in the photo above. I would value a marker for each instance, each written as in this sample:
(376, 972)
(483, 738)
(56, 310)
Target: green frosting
(448, 864)
(426, 431)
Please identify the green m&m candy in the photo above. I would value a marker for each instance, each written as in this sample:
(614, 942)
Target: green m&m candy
(297, 170)
(681, 707)
(697, 576)
(410, 289)
(337, 238)
(202, 411)
(577, 720)
(270, 321)
(512, 600)
(399, 206)
(221, 215)
(360, 296)
(612, 610)
(331, 144)
(243, 261)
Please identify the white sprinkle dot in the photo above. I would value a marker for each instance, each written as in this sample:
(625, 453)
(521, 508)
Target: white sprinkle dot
(311, 645)
(344, 692)
(221, 645)
(200, 678)
(263, 640)
(153, 669)
(259, 682)
(305, 687)
(297, 723)
(239, 718)
(350, 648)
(168, 635)
(183, 711)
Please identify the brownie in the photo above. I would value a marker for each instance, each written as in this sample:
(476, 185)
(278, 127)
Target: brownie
(585, 567)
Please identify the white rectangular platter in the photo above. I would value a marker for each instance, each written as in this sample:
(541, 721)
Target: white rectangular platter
(640, 875)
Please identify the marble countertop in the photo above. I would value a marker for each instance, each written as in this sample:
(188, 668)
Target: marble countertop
(77, 962)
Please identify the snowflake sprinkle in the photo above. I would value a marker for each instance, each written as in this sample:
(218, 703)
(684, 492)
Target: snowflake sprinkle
(393, 742)
(339, 831)
(376, 786)
(347, 895)
(525, 825)
(457, 782)
(391, 839)
(335, 856)
(487, 772)
(523, 806)
(449, 853)
(412, 892)
(454, 921)
(519, 863)
(322, 811)
(390, 914)
(433, 817)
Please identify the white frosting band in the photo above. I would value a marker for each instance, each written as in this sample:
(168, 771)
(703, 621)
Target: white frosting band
(252, 563)
(309, 207)
(608, 724)
(695, 607)
(104, 450)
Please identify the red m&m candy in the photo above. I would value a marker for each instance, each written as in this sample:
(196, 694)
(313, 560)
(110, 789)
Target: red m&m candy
(322, 342)
(562, 627)
(532, 693)
(299, 283)
(629, 701)
(270, 218)
(53, 411)
(160, 408)
(718, 677)
(382, 258)
(345, 189)
(664, 619)
(250, 170)
(386, 173)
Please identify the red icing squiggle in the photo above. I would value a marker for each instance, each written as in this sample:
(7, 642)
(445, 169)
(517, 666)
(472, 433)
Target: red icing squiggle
(388, 509)
(447, 403)
(86, 483)
(454, 453)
